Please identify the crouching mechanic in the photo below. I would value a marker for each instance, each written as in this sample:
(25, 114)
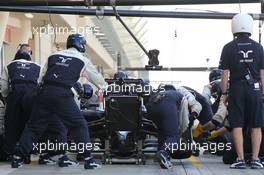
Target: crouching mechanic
(18, 78)
(61, 72)
(219, 120)
(169, 109)
(206, 113)
(163, 109)
(213, 89)
(194, 106)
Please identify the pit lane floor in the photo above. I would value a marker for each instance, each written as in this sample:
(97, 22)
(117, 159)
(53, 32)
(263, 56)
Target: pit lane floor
(203, 165)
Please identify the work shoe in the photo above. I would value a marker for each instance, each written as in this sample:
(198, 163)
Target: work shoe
(27, 160)
(90, 163)
(16, 162)
(64, 161)
(256, 164)
(80, 157)
(164, 160)
(239, 164)
(45, 159)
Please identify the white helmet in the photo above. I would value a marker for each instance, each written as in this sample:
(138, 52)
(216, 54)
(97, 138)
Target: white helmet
(242, 23)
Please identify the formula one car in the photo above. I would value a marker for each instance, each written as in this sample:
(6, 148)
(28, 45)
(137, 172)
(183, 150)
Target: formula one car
(122, 129)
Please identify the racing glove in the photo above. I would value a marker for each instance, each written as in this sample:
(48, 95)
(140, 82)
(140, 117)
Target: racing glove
(198, 131)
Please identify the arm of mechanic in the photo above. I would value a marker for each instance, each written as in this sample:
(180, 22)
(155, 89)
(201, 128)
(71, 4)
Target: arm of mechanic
(222, 131)
(193, 103)
(224, 84)
(91, 73)
(261, 64)
(224, 64)
(218, 118)
(262, 80)
(4, 83)
(43, 72)
(207, 92)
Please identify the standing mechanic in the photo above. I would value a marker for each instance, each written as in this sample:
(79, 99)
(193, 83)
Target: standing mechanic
(18, 78)
(61, 72)
(243, 59)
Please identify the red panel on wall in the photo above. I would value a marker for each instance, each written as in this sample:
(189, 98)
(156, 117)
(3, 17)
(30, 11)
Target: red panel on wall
(8, 34)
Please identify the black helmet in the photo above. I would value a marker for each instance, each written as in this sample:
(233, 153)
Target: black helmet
(76, 41)
(216, 88)
(215, 74)
(22, 55)
(87, 91)
(120, 75)
(166, 87)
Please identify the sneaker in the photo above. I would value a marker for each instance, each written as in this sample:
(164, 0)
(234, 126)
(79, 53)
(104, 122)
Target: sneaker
(64, 161)
(45, 159)
(16, 162)
(90, 163)
(256, 164)
(262, 161)
(164, 160)
(239, 164)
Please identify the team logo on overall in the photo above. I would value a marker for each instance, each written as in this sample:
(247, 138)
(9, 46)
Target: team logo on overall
(21, 65)
(63, 61)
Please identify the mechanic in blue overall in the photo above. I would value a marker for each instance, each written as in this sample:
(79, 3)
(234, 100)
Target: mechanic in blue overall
(206, 113)
(163, 109)
(60, 73)
(56, 131)
(18, 78)
(215, 74)
(242, 61)
(195, 108)
(213, 86)
(120, 75)
(118, 87)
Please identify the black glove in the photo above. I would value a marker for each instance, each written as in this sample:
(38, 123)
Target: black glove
(192, 117)
(204, 137)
